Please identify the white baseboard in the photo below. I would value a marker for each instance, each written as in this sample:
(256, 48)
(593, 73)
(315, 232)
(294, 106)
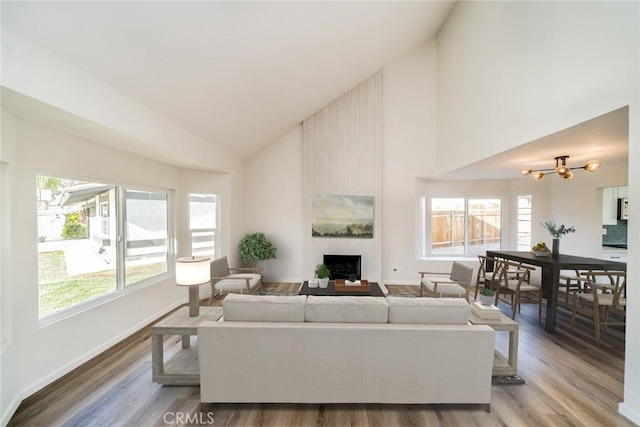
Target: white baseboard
(11, 409)
(629, 413)
(38, 385)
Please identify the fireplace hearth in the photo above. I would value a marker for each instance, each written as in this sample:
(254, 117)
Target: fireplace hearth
(342, 266)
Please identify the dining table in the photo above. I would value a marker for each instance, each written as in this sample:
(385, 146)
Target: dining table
(551, 267)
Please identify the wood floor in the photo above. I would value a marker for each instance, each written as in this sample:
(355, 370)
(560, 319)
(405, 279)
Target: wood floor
(570, 381)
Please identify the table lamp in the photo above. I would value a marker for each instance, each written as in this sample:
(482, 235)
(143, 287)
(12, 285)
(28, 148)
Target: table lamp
(193, 272)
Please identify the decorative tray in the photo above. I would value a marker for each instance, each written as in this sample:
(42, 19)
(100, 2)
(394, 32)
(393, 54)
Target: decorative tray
(341, 286)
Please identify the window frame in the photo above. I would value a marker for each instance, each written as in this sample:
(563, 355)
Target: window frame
(216, 229)
(520, 246)
(120, 211)
(426, 214)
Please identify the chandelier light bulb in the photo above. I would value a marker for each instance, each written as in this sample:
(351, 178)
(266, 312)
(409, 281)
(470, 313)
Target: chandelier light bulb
(562, 170)
(568, 176)
(526, 172)
(592, 165)
(538, 175)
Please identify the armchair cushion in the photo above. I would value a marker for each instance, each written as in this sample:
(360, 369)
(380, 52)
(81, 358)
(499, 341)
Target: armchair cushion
(445, 286)
(236, 282)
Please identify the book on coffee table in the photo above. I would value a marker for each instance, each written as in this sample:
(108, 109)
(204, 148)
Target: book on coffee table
(485, 311)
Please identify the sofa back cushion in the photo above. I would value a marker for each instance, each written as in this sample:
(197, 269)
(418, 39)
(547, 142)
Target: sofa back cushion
(441, 311)
(346, 309)
(263, 308)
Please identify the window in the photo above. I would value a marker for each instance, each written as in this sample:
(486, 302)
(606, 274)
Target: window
(464, 226)
(524, 223)
(81, 256)
(203, 221)
(146, 235)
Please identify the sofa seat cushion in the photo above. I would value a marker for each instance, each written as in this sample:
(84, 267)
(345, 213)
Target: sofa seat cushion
(233, 283)
(346, 309)
(441, 311)
(263, 308)
(445, 286)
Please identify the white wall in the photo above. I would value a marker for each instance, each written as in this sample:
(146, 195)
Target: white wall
(9, 348)
(409, 151)
(83, 335)
(40, 87)
(511, 72)
(273, 187)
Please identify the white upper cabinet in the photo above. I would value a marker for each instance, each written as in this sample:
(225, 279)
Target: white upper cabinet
(610, 205)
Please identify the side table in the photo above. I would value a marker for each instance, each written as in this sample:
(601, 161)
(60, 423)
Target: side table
(502, 366)
(183, 368)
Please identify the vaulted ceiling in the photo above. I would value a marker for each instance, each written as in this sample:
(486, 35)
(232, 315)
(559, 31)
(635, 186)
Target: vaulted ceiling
(237, 74)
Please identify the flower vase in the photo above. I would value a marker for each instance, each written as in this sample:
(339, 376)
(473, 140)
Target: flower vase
(555, 249)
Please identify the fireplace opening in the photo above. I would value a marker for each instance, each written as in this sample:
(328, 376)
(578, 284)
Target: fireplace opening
(342, 266)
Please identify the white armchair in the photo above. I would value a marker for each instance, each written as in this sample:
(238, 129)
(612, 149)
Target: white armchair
(222, 281)
(453, 284)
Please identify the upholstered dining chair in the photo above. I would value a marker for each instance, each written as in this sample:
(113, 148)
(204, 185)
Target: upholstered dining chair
(222, 281)
(517, 286)
(599, 300)
(456, 283)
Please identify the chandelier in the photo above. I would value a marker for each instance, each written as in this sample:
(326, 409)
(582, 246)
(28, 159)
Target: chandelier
(561, 169)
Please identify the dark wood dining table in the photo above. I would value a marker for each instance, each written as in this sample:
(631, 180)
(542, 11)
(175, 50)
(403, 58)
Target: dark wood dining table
(551, 273)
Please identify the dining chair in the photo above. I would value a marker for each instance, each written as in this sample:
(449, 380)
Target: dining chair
(600, 300)
(486, 274)
(517, 286)
(571, 281)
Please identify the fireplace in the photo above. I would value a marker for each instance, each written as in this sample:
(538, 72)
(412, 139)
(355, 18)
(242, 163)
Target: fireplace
(341, 266)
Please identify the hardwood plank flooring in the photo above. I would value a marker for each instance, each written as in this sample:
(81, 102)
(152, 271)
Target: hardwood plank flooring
(570, 381)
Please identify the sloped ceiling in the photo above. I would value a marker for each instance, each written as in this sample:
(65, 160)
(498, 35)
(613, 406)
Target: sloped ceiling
(238, 74)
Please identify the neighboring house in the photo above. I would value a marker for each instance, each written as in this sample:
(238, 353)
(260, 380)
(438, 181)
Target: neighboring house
(498, 75)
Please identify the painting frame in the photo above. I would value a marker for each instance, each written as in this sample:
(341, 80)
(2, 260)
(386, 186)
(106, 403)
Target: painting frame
(342, 216)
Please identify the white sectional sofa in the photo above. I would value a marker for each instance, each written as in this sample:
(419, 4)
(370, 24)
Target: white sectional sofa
(345, 350)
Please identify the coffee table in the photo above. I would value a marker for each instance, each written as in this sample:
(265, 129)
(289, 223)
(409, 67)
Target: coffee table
(330, 290)
(502, 366)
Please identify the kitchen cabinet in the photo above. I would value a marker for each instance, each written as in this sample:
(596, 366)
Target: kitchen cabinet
(614, 254)
(610, 196)
(610, 206)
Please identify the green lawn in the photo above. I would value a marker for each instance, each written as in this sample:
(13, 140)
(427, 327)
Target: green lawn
(57, 290)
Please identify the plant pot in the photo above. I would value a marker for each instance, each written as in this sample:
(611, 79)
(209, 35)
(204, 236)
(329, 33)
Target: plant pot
(313, 283)
(486, 300)
(323, 283)
(555, 249)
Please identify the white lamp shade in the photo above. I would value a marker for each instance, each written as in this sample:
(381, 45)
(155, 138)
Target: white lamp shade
(192, 271)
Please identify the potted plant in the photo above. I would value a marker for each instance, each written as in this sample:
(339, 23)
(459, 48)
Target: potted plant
(322, 274)
(556, 232)
(255, 248)
(486, 296)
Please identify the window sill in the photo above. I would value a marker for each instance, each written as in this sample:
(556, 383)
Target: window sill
(72, 311)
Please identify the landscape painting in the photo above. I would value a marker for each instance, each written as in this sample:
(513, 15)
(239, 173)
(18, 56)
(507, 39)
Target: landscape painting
(342, 216)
